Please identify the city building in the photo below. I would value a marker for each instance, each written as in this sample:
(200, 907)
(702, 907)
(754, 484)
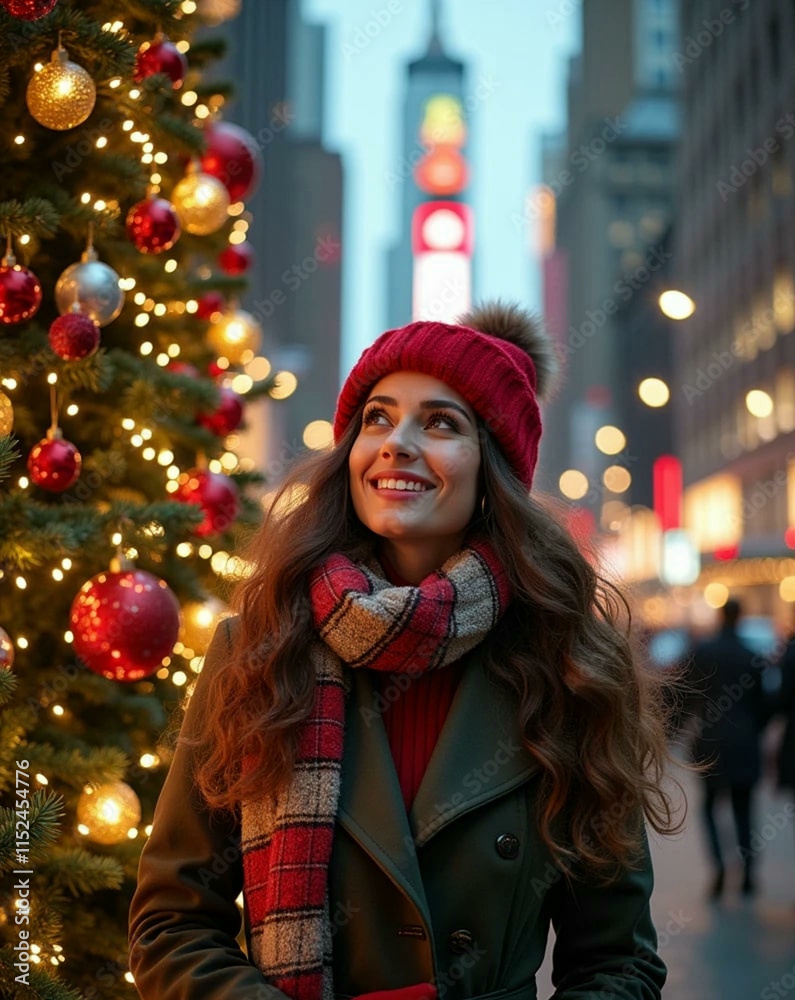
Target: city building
(434, 141)
(603, 208)
(278, 62)
(734, 389)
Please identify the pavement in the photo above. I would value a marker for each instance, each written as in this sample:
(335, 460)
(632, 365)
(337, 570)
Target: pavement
(737, 948)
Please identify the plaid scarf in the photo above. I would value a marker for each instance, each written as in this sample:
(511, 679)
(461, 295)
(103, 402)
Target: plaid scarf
(365, 621)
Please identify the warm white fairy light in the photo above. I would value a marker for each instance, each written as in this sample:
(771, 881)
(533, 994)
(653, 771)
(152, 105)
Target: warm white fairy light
(139, 298)
(69, 635)
(22, 642)
(141, 319)
(146, 348)
(173, 472)
(57, 710)
(72, 409)
(184, 549)
(215, 466)
(128, 124)
(236, 238)
(172, 486)
(57, 574)
(85, 197)
(115, 82)
(236, 208)
(170, 266)
(19, 139)
(136, 440)
(146, 433)
(155, 178)
(149, 304)
(24, 482)
(161, 157)
(127, 284)
(173, 350)
(66, 562)
(132, 833)
(162, 673)
(178, 678)
(242, 384)
(189, 98)
(160, 309)
(131, 553)
(101, 142)
(115, 538)
(148, 454)
(183, 45)
(228, 461)
(135, 93)
(128, 424)
(191, 305)
(165, 457)
(128, 975)
(149, 147)
(52, 378)
(205, 551)
(42, 779)
(24, 239)
(147, 158)
(83, 829)
(21, 582)
(202, 111)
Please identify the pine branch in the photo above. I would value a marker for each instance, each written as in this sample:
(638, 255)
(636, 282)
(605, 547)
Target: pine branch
(79, 766)
(8, 454)
(80, 872)
(45, 812)
(35, 216)
(43, 984)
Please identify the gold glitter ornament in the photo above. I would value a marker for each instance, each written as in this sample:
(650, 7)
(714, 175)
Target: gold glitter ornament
(62, 94)
(235, 336)
(6, 415)
(201, 202)
(108, 812)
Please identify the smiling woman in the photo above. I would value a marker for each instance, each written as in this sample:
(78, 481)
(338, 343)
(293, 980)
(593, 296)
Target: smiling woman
(425, 737)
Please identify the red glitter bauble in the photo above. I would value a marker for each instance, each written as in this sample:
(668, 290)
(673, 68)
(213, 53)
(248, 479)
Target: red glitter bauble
(211, 304)
(215, 493)
(233, 156)
(20, 293)
(182, 368)
(237, 258)
(124, 624)
(227, 417)
(28, 10)
(54, 464)
(74, 336)
(152, 225)
(160, 56)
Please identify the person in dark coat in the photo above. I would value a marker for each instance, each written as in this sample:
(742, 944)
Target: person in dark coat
(728, 705)
(784, 705)
(424, 739)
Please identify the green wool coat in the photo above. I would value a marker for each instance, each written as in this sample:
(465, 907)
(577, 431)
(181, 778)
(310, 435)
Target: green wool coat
(460, 892)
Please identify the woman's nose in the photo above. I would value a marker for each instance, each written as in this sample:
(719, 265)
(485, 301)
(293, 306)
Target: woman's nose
(399, 442)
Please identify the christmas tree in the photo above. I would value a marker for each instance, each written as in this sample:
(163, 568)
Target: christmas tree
(125, 361)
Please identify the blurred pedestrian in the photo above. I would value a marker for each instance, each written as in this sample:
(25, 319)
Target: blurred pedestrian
(784, 705)
(728, 704)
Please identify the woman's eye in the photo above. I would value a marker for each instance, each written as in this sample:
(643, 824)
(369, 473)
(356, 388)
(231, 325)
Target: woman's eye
(371, 417)
(450, 421)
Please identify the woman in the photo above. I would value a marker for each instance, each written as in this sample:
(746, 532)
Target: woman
(424, 737)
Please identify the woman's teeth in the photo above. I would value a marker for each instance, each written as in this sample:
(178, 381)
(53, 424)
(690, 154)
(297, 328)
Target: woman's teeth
(401, 484)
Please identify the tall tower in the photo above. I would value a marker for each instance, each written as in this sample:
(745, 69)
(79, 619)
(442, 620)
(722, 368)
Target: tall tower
(432, 168)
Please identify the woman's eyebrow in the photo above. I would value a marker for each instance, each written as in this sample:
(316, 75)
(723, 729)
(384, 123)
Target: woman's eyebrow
(426, 404)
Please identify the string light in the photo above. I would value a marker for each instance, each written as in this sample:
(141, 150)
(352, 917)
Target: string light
(127, 284)
(52, 378)
(19, 139)
(21, 582)
(205, 551)
(146, 348)
(58, 710)
(170, 266)
(72, 409)
(173, 350)
(184, 549)
(57, 574)
(128, 424)
(24, 482)
(42, 780)
(165, 457)
(163, 359)
(24, 239)
(189, 98)
(66, 562)
(136, 440)
(148, 454)
(69, 636)
(116, 538)
(22, 642)
(141, 319)
(115, 82)
(178, 678)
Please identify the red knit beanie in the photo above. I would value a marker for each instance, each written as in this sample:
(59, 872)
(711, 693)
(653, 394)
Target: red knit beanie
(497, 360)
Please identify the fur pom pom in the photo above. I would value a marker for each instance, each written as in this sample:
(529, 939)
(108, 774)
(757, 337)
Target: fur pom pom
(509, 322)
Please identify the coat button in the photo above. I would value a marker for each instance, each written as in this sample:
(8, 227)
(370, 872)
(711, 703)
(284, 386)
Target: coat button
(507, 845)
(461, 942)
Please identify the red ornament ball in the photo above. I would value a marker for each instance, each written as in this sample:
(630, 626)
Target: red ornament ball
(124, 624)
(182, 368)
(215, 493)
(237, 258)
(227, 417)
(211, 304)
(20, 293)
(233, 156)
(54, 464)
(152, 225)
(160, 56)
(74, 336)
(28, 10)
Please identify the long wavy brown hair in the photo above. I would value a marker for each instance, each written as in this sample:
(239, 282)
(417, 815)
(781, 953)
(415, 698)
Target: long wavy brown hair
(593, 717)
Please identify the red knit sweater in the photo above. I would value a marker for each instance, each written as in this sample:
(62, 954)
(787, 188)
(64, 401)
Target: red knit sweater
(414, 719)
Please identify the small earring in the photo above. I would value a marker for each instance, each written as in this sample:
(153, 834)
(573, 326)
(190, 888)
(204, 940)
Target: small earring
(483, 505)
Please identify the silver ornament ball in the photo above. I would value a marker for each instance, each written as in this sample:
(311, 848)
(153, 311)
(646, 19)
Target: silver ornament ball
(95, 286)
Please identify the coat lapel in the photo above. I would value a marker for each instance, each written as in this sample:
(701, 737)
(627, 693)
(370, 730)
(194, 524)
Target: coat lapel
(371, 805)
(478, 756)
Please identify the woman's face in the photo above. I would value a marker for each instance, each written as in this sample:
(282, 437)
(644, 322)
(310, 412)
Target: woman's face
(414, 465)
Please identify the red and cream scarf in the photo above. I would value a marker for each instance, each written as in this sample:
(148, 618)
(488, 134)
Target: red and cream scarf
(363, 621)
